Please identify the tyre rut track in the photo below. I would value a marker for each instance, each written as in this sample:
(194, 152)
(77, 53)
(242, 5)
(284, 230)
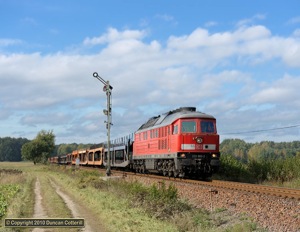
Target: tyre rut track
(72, 207)
(39, 209)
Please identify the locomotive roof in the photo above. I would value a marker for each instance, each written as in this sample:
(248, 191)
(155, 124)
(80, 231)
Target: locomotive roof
(169, 117)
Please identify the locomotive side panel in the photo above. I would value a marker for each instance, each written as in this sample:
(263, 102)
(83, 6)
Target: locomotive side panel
(152, 142)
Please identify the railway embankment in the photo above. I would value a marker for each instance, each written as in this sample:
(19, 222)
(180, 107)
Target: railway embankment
(274, 213)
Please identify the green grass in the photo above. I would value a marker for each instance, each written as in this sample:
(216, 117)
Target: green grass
(121, 206)
(54, 206)
(20, 198)
(114, 210)
(7, 192)
(295, 183)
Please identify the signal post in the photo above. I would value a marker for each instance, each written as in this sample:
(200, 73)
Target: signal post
(108, 89)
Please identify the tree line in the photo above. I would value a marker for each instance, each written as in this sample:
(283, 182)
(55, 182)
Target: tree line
(244, 151)
(10, 148)
(240, 161)
(37, 150)
(258, 162)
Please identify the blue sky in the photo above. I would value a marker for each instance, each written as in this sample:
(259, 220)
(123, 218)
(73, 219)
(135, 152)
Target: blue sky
(236, 60)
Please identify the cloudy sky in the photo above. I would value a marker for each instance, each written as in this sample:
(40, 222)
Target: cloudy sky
(236, 60)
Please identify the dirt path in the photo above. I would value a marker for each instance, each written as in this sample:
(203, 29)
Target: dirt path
(78, 210)
(39, 211)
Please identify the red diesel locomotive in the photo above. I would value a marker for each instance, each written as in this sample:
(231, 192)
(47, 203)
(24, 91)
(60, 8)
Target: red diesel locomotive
(179, 143)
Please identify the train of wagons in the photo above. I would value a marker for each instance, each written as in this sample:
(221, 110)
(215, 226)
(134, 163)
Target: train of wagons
(179, 143)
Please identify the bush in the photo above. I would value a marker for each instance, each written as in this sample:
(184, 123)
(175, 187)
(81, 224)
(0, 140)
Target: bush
(163, 193)
(233, 169)
(161, 201)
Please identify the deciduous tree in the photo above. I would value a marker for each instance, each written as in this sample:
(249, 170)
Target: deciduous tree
(39, 149)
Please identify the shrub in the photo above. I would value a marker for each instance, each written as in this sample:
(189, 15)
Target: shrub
(233, 169)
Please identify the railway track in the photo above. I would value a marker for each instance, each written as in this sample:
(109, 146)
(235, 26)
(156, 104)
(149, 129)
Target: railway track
(255, 188)
(216, 184)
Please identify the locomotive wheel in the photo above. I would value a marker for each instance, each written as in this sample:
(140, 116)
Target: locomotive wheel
(165, 168)
(181, 174)
(165, 172)
(175, 173)
(171, 167)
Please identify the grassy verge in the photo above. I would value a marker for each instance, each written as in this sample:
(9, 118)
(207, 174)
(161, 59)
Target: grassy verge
(17, 189)
(119, 205)
(104, 200)
(295, 183)
(134, 207)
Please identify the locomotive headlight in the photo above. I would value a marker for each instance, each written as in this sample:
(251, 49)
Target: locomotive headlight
(182, 155)
(199, 140)
(214, 155)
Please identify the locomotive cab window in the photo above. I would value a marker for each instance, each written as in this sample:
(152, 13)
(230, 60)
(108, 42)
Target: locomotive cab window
(175, 130)
(188, 127)
(207, 127)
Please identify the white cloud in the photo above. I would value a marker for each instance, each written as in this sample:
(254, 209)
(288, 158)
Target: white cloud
(291, 55)
(251, 21)
(210, 24)
(165, 17)
(295, 20)
(34, 119)
(10, 42)
(201, 39)
(254, 44)
(113, 35)
(214, 71)
(29, 21)
(284, 91)
(296, 33)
